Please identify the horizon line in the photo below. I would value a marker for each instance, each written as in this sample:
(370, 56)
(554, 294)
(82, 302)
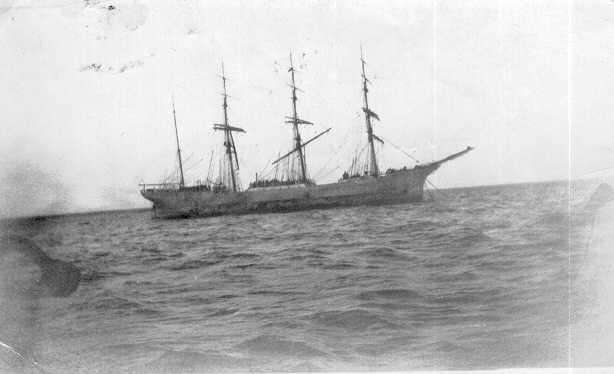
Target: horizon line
(119, 210)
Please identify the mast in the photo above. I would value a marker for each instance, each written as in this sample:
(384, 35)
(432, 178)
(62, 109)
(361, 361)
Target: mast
(373, 169)
(181, 180)
(299, 145)
(303, 145)
(227, 135)
(229, 144)
(295, 122)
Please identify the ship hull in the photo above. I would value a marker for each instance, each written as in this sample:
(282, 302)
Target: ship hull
(401, 186)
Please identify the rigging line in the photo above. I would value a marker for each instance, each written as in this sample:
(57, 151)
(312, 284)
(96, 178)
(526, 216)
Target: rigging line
(196, 163)
(170, 177)
(431, 183)
(355, 166)
(331, 171)
(191, 167)
(317, 174)
(269, 167)
(434, 188)
(361, 151)
(323, 168)
(210, 164)
(268, 163)
(332, 157)
(354, 158)
(187, 159)
(431, 195)
(400, 149)
(265, 174)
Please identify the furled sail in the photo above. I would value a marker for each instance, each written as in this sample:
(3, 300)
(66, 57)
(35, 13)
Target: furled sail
(298, 120)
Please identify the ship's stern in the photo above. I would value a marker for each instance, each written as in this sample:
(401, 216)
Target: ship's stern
(164, 202)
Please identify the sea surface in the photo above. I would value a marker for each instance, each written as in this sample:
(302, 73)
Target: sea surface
(475, 278)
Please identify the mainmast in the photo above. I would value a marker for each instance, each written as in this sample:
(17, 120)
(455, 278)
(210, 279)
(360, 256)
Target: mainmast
(299, 145)
(229, 144)
(181, 180)
(295, 122)
(373, 169)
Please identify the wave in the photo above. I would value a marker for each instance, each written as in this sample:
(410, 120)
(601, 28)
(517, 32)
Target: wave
(357, 320)
(274, 346)
(90, 275)
(189, 361)
(386, 253)
(194, 264)
(439, 284)
(117, 305)
(339, 266)
(387, 306)
(239, 255)
(389, 294)
(223, 312)
(275, 293)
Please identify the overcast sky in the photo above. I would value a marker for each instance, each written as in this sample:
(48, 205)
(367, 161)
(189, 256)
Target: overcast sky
(86, 90)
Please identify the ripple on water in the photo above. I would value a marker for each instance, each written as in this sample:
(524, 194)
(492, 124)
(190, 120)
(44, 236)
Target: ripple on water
(389, 294)
(475, 276)
(189, 361)
(275, 345)
(354, 320)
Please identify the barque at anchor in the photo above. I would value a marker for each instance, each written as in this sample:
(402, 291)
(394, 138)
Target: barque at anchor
(292, 189)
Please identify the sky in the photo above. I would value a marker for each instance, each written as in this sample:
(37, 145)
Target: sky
(87, 86)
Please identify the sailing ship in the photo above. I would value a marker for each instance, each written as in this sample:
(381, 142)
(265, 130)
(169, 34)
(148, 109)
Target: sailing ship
(362, 184)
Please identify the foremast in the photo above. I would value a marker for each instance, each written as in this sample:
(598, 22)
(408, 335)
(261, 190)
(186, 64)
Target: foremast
(229, 143)
(181, 180)
(373, 169)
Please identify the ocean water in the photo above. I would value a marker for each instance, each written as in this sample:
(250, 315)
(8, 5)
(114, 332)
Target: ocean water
(484, 277)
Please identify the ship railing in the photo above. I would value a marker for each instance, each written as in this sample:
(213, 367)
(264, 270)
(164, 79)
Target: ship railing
(160, 186)
(262, 183)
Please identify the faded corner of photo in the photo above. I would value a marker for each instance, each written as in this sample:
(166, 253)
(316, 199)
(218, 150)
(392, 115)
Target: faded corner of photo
(306, 186)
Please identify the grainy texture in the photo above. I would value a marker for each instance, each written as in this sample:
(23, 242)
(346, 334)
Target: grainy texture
(477, 278)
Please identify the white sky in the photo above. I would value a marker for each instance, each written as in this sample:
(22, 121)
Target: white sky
(513, 78)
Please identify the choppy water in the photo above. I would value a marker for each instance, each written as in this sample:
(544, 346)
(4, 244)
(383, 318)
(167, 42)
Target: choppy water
(477, 278)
